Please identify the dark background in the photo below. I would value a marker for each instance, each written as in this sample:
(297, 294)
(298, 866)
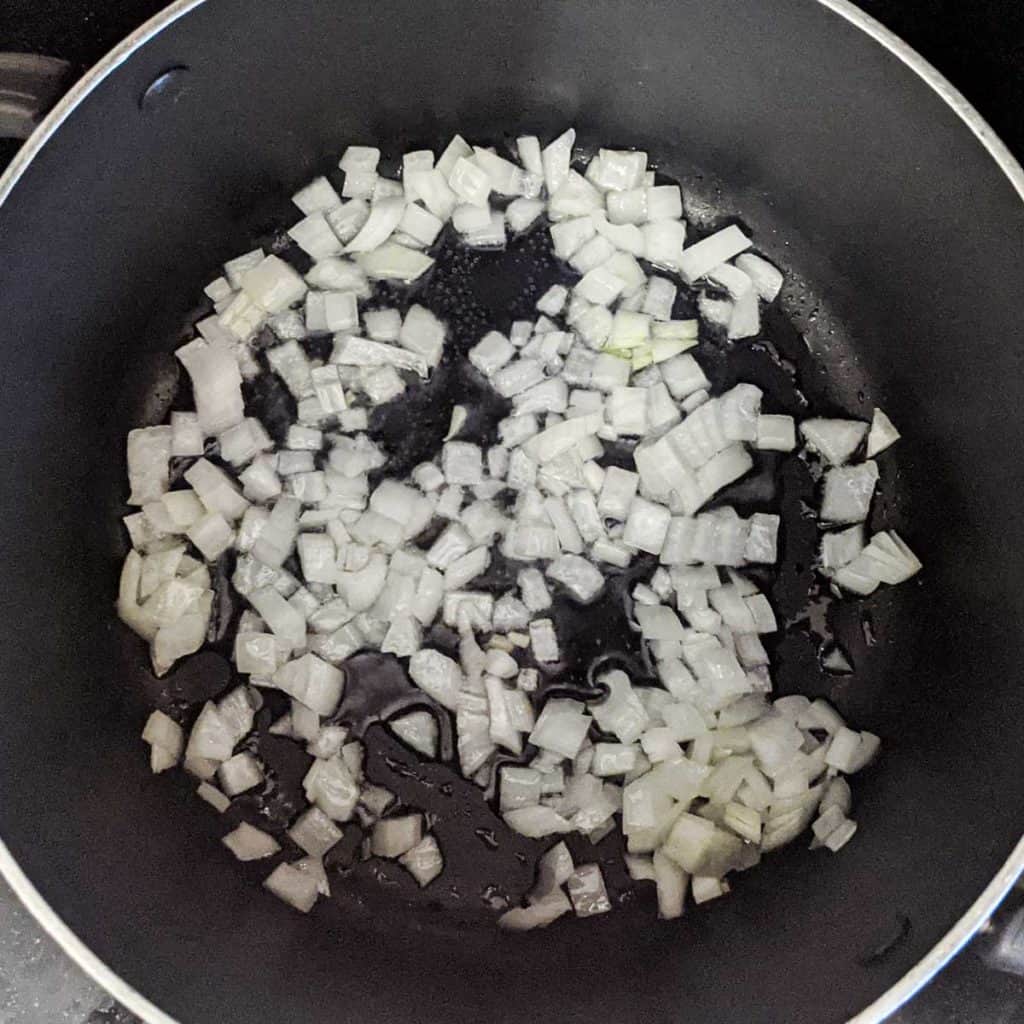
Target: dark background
(977, 44)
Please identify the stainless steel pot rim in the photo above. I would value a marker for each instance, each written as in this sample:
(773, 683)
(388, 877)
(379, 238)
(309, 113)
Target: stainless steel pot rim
(979, 912)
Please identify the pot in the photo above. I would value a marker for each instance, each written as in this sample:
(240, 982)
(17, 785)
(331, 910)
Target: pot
(897, 216)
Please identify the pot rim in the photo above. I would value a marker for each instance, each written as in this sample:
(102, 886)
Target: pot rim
(977, 914)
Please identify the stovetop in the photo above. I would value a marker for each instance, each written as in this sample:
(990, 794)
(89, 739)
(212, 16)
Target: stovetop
(979, 46)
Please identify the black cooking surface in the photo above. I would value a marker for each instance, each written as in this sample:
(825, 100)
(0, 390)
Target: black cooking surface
(979, 46)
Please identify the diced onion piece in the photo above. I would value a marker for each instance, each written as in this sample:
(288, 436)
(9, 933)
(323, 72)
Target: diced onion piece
(848, 492)
(317, 196)
(167, 740)
(239, 773)
(214, 797)
(437, 675)
(312, 681)
(561, 727)
(296, 888)
(835, 440)
(882, 434)
(578, 576)
(273, 285)
(776, 433)
(621, 712)
(521, 213)
(659, 623)
(556, 158)
(385, 216)
(149, 453)
(544, 641)
(392, 837)
(663, 244)
(841, 836)
(537, 915)
(587, 891)
(211, 738)
(537, 821)
(712, 251)
(705, 889)
(671, 882)
(394, 262)
(331, 786)
(766, 278)
(423, 861)
(248, 843)
(313, 234)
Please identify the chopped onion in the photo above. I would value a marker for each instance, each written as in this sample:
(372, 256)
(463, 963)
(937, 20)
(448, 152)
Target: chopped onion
(248, 843)
(214, 797)
(601, 376)
(587, 891)
(437, 675)
(835, 440)
(544, 641)
(394, 262)
(711, 252)
(423, 861)
(393, 837)
(882, 434)
(537, 915)
(537, 821)
(239, 773)
(848, 492)
(296, 888)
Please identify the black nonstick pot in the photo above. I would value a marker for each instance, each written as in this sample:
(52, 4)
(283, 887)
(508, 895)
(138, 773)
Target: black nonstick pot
(898, 217)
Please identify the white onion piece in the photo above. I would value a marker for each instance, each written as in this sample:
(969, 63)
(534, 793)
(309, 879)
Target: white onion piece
(587, 891)
(273, 285)
(437, 675)
(555, 160)
(848, 492)
(213, 796)
(538, 915)
(835, 440)
(705, 889)
(211, 738)
(393, 837)
(712, 251)
(385, 216)
(561, 727)
(319, 195)
(234, 268)
(216, 385)
(314, 235)
(544, 641)
(766, 278)
(671, 882)
(394, 262)
(239, 773)
(314, 682)
(296, 888)
(423, 861)
(621, 713)
(418, 729)
(536, 822)
(882, 434)
(248, 843)
(331, 786)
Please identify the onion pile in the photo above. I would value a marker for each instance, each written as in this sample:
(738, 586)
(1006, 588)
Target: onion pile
(698, 767)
